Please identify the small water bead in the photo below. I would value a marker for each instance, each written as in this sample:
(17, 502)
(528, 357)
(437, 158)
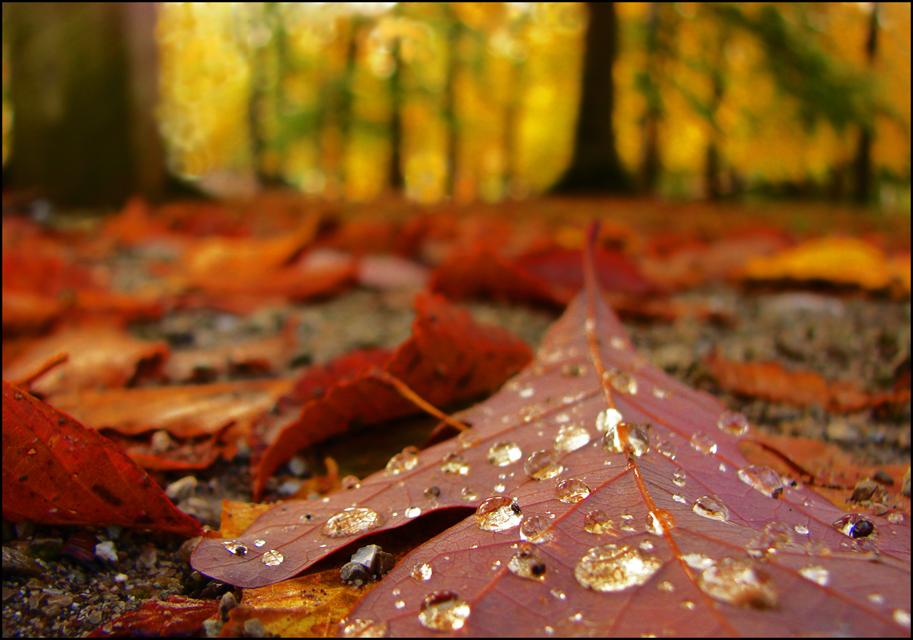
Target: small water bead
(571, 437)
(399, 604)
(701, 443)
(660, 393)
(854, 525)
(531, 412)
(711, 507)
(535, 529)
(542, 465)
(876, 598)
(639, 439)
(361, 628)
(733, 423)
(667, 449)
(573, 370)
(688, 604)
(679, 498)
(558, 594)
(455, 464)
(500, 488)
(351, 521)
(762, 479)
(816, 573)
(901, 617)
(598, 521)
(504, 453)
(527, 563)
(404, 461)
(679, 478)
(646, 545)
(259, 542)
(235, 548)
(412, 512)
(666, 586)
(498, 513)
(444, 611)
(468, 494)
(350, 482)
(615, 568)
(421, 572)
(526, 392)
(622, 381)
(801, 529)
(698, 561)
(737, 581)
(655, 524)
(272, 558)
(572, 490)
(608, 420)
(617, 342)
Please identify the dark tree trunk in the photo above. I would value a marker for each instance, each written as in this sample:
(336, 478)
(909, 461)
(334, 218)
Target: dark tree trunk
(713, 162)
(650, 160)
(451, 119)
(863, 187)
(395, 176)
(595, 166)
(347, 96)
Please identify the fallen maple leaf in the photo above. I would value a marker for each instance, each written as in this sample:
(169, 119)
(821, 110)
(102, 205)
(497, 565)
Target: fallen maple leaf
(56, 471)
(175, 616)
(610, 500)
(770, 381)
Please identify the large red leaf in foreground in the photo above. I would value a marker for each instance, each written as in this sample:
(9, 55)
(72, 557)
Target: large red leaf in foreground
(656, 525)
(56, 471)
(448, 358)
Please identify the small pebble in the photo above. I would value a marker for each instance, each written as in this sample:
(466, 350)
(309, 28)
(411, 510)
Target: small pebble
(16, 561)
(148, 557)
(298, 466)
(253, 628)
(161, 442)
(120, 578)
(226, 604)
(883, 477)
(106, 551)
(182, 488)
(864, 490)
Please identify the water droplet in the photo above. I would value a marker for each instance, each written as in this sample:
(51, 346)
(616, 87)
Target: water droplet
(733, 423)
(615, 568)
(688, 604)
(654, 524)
(711, 507)
(421, 571)
(498, 513)
(235, 548)
(679, 498)
(412, 512)
(571, 437)
(902, 617)
(527, 563)
(737, 581)
(558, 594)
(351, 482)
(762, 479)
(351, 521)
(443, 611)
(272, 558)
(526, 392)
(541, 465)
(468, 494)
(698, 561)
(703, 444)
(801, 529)
(816, 573)
(666, 586)
(646, 545)
(360, 628)
(608, 420)
(259, 542)
(406, 460)
(679, 478)
(854, 525)
(399, 604)
(572, 490)
(667, 449)
(638, 439)
(597, 521)
(502, 454)
(660, 393)
(455, 464)
(573, 370)
(876, 598)
(535, 529)
(622, 381)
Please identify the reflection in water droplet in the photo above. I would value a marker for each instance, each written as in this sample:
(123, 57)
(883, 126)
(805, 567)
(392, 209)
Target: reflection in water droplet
(351, 521)
(615, 568)
(360, 628)
(854, 525)
(816, 573)
(401, 462)
(572, 490)
(711, 507)
(421, 571)
(608, 420)
(502, 454)
(703, 444)
(737, 581)
(541, 465)
(235, 548)
(733, 423)
(679, 478)
(498, 513)
(902, 617)
(350, 482)
(527, 563)
(272, 558)
(639, 439)
(443, 611)
(535, 528)
(762, 479)
(412, 512)
(455, 464)
(622, 381)
(598, 521)
(571, 437)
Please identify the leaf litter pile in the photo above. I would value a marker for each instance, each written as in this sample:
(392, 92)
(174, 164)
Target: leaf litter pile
(273, 419)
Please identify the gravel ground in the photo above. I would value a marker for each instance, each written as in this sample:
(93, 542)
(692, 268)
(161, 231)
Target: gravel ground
(67, 581)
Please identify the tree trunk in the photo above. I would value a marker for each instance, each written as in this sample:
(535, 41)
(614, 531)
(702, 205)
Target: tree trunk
(713, 162)
(863, 187)
(396, 180)
(650, 162)
(595, 166)
(451, 120)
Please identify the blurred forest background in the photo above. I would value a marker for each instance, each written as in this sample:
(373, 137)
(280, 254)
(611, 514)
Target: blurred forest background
(461, 101)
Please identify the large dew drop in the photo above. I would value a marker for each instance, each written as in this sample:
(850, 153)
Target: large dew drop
(854, 525)
(527, 563)
(711, 507)
(351, 521)
(615, 568)
(737, 581)
(762, 479)
(502, 454)
(571, 437)
(444, 611)
(361, 628)
(498, 513)
(235, 548)
(598, 521)
(541, 465)
(401, 462)
(733, 423)
(572, 490)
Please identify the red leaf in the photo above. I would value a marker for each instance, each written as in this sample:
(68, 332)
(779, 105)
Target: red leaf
(448, 358)
(647, 528)
(55, 471)
(176, 616)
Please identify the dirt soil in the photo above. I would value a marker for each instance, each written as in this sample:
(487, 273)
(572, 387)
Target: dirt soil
(56, 582)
